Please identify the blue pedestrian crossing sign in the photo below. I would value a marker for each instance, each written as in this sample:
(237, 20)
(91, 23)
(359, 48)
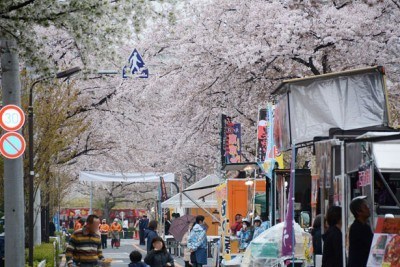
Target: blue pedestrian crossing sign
(135, 67)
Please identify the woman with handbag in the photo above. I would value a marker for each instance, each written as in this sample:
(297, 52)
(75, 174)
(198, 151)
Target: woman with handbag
(197, 243)
(186, 250)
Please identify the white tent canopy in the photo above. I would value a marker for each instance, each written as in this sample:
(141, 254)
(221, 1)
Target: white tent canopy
(386, 154)
(139, 177)
(203, 196)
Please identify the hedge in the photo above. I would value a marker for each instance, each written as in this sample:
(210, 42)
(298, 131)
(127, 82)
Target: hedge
(44, 251)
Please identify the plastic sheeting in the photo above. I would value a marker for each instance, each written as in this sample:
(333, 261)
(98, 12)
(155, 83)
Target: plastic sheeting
(345, 101)
(265, 250)
(140, 177)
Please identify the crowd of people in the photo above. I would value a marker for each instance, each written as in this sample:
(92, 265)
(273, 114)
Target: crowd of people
(90, 238)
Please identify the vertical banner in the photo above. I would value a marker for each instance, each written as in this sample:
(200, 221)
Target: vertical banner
(231, 145)
(268, 154)
(164, 195)
(288, 238)
(56, 221)
(262, 135)
(269, 163)
(222, 196)
(270, 132)
(224, 120)
(314, 194)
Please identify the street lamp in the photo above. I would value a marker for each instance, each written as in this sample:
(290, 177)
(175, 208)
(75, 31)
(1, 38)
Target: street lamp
(60, 75)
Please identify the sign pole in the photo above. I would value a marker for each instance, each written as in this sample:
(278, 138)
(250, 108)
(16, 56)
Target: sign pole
(13, 168)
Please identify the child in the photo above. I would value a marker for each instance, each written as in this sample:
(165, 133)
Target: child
(159, 256)
(245, 234)
(136, 259)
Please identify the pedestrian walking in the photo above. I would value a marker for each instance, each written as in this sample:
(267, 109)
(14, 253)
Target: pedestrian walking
(115, 230)
(78, 223)
(151, 233)
(332, 255)
(316, 233)
(52, 228)
(84, 248)
(186, 250)
(125, 226)
(167, 224)
(143, 224)
(104, 231)
(159, 256)
(136, 259)
(360, 234)
(197, 243)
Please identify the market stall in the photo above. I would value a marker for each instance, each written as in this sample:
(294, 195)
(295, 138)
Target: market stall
(197, 199)
(330, 112)
(266, 249)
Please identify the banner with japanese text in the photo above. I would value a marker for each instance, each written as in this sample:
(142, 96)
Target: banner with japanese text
(231, 145)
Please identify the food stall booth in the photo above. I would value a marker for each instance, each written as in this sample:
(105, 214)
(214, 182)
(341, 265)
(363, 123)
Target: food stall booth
(197, 199)
(245, 195)
(335, 113)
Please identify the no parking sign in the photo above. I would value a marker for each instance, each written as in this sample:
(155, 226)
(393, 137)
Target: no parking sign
(12, 144)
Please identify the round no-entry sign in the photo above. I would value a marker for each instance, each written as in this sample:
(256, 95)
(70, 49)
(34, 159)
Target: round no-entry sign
(12, 118)
(12, 145)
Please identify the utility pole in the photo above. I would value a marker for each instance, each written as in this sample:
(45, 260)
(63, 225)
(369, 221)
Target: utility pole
(13, 168)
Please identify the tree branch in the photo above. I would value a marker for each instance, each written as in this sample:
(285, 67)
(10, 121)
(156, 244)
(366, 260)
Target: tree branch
(323, 46)
(397, 4)
(308, 64)
(18, 6)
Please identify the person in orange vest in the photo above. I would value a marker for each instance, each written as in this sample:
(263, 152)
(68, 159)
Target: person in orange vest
(78, 223)
(115, 230)
(104, 229)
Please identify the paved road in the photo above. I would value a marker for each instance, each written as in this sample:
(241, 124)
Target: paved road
(120, 256)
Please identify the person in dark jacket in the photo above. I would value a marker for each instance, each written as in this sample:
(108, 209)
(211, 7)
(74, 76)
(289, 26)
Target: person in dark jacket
(52, 228)
(316, 235)
(159, 256)
(150, 234)
(167, 224)
(136, 259)
(360, 234)
(332, 255)
(143, 224)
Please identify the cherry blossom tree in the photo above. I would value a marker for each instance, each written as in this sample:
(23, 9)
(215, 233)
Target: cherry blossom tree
(227, 57)
(205, 58)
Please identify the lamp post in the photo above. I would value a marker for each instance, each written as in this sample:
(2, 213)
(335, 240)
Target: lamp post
(63, 74)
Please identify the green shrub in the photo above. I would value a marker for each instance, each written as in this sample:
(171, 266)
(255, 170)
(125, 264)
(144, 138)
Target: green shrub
(44, 251)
